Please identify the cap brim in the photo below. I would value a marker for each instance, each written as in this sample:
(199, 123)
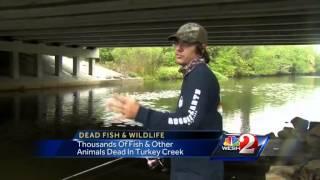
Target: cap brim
(176, 37)
(173, 37)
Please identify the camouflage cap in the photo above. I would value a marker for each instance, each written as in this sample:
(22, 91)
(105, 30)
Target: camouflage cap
(190, 32)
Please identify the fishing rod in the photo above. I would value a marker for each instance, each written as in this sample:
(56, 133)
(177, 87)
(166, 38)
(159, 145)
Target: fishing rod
(152, 163)
(91, 169)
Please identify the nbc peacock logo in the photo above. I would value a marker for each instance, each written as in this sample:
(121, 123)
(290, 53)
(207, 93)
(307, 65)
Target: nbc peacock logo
(231, 143)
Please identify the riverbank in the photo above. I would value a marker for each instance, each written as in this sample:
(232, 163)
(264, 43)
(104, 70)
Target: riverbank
(163, 73)
(229, 61)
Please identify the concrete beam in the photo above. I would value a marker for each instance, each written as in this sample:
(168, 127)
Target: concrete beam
(15, 65)
(71, 8)
(57, 65)
(235, 43)
(68, 22)
(212, 39)
(223, 11)
(26, 3)
(119, 42)
(118, 4)
(170, 26)
(288, 30)
(48, 50)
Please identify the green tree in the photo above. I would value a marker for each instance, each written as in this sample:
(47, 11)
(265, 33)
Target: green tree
(106, 55)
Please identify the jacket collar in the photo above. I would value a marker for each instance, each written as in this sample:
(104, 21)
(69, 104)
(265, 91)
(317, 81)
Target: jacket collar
(186, 69)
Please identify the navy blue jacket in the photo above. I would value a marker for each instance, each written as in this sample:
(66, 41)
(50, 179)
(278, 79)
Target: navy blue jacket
(196, 110)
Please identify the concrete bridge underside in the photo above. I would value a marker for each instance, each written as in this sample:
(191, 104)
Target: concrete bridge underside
(106, 23)
(76, 28)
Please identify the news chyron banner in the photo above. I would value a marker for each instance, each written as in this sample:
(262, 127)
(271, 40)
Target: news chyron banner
(154, 144)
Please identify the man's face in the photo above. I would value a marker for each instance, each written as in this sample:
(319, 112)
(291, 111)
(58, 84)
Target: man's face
(185, 52)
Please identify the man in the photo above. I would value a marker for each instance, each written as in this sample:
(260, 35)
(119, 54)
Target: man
(197, 105)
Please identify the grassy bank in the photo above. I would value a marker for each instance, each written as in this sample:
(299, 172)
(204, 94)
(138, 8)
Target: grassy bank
(226, 61)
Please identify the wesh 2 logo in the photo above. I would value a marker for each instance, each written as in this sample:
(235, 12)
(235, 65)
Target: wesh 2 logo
(240, 147)
(245, 143)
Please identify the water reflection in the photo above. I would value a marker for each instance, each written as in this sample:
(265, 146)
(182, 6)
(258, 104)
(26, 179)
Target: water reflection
(258, 105)
(263, 105)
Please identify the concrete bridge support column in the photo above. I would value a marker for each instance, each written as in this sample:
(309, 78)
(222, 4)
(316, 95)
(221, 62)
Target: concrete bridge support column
(58, 65)
(76, 66)
(15, 66)
(39, 49)
(91, 65)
